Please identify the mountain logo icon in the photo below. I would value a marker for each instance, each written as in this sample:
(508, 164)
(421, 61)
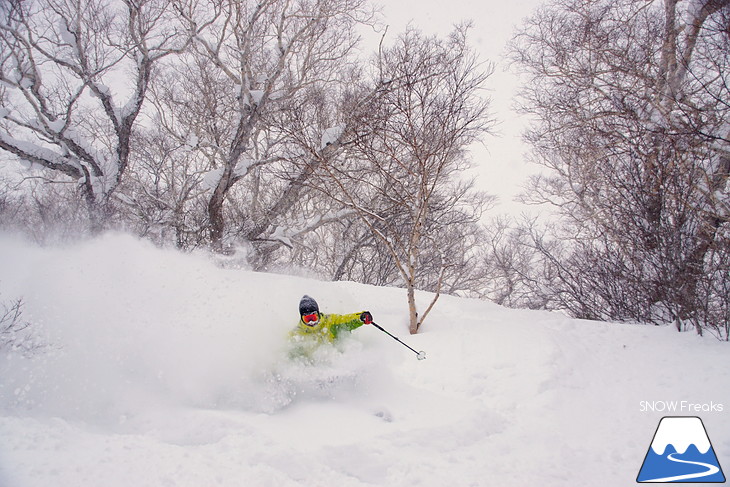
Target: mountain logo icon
(681, 452)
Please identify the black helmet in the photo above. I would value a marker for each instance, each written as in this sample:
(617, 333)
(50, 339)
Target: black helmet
(308, 306)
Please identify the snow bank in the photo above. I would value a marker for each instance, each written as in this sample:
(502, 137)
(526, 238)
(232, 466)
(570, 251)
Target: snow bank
(166, 369)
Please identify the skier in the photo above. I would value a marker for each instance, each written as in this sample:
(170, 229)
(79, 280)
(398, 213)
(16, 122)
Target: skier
(315, 328)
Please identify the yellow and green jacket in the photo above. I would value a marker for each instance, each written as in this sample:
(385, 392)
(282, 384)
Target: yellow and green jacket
(328, 329)
(305, 340)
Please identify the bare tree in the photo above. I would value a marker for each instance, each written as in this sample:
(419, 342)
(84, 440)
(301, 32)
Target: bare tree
(163, 197)
(16, 334)
(402, 174)
(513, 273)
(74, 77)
(631, 103)
(271, 57)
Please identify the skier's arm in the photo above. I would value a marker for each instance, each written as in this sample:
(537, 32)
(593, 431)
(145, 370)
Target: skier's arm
(346, 322)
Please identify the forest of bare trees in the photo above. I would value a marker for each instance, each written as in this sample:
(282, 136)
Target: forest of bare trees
(631, 102)
(266, 131)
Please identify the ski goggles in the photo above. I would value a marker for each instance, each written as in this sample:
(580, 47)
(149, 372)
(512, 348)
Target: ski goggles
(310, 319)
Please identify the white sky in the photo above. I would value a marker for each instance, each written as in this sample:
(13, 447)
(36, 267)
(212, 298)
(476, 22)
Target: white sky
(500, 164)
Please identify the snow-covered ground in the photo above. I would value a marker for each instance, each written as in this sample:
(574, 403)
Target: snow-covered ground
(165, 369)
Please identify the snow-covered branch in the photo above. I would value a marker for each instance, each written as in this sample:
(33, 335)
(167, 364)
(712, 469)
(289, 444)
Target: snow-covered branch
(66, 66)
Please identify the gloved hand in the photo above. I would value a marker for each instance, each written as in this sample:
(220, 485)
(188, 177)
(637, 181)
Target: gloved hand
(366, 317)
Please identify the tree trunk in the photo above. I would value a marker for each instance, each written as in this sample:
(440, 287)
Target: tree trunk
(216, 221)
(412, 310)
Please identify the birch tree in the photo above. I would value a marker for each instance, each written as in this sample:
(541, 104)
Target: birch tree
(73, 78)
(632, 117)
(403, 174)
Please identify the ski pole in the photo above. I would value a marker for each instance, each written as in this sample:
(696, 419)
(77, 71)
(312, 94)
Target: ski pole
(421, 355)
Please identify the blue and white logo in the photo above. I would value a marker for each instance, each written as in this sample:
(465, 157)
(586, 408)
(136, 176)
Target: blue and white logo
(681, 452)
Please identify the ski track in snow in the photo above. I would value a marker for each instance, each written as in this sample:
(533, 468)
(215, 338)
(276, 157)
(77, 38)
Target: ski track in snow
(165, 369)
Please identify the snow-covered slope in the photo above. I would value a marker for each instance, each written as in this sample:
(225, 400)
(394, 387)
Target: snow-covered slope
(164, 369)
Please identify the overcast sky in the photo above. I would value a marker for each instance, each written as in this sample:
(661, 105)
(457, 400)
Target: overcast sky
(500, 165)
